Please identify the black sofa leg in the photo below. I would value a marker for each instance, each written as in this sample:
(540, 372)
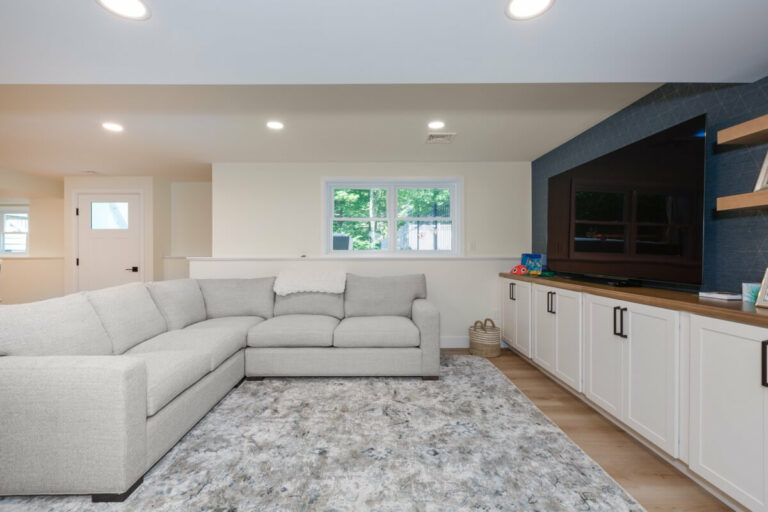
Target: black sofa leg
(116, 498)
(254, 378)
(430, 377)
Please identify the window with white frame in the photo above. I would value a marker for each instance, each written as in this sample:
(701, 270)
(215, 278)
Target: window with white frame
(14, 229)
(393, 217)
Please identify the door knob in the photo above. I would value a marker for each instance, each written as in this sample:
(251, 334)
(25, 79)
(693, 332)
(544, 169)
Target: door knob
(133, 269)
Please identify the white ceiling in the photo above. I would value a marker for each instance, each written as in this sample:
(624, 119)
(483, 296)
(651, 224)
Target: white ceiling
(177, 131)
(395, 41)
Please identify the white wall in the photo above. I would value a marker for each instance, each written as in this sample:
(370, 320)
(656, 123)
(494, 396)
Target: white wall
(191, 218)
(39, 274)
(265, 215)
(275, 209)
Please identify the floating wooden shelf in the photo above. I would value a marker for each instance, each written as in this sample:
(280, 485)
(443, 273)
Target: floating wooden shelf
(751, 200)
(754, 131)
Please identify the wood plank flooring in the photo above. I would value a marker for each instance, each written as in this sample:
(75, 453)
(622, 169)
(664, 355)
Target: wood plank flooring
(658, 486)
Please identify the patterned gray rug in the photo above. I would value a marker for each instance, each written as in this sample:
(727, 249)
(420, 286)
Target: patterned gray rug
(471, 441)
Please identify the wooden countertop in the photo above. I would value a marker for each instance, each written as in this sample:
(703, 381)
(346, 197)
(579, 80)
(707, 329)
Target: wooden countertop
(733, 310)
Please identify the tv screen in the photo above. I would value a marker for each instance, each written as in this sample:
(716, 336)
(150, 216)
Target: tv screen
(635, 213)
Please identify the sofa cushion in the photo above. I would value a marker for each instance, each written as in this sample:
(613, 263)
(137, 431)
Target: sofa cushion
(128, 313)
(56, 327)
(169, 374)
(180, 301)
(217, 344)
(294, 331)
(376, 331)
(310, 303)
(238, 297)
(390, 296)
(241, 323)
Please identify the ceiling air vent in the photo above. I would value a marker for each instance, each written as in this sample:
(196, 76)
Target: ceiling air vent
(440, 138)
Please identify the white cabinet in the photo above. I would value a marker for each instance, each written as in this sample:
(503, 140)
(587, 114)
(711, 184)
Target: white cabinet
(603, 354)
(516, 315)
(632, 366)
(729, 408)
(556, 333)
(568, 349)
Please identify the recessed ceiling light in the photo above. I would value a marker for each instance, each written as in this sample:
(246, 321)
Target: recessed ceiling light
(112, 127)
(527, 9)
(436, 125)
(275, 125)
(130, 9)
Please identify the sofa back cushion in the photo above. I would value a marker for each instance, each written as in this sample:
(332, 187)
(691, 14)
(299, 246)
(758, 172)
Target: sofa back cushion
(180, 301)
(383, 296)
(310, 303)
(65, 326)
(238, 297)
(129, 315)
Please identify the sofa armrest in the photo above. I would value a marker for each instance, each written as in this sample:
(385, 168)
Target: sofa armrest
(427, 318)
(72, 424)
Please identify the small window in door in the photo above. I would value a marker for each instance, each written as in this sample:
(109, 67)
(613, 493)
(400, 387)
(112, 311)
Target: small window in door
(109, 215)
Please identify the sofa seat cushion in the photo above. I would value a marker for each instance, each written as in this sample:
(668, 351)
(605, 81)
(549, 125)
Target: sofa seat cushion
(128, 313)
(180, 301)
(170, 373)
(376, 331)
(294, 331)
(242, 323)
(65, 326)
(217, 344)
(238, 297)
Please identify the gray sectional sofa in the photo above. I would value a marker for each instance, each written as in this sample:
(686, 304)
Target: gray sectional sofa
(96, 387)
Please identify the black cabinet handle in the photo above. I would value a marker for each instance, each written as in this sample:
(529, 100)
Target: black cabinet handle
(551, 308)
(763, 354)
(615, 323)
(621, 323)
(512, 291)
(132, 269)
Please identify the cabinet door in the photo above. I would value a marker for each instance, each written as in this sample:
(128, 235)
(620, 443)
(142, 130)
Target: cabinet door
(522, 337)
(508, 312)
(728, 409)
(567, 306)
(544, 330)
(603, 355)
(651, 374)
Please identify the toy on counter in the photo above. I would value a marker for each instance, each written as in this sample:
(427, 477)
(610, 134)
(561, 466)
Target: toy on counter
(535, 263)
(519, 270)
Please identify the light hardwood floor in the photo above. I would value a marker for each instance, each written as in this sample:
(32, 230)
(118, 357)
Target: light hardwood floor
(648, 478)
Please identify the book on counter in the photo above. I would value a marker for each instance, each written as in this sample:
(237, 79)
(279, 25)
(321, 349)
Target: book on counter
(720, 295)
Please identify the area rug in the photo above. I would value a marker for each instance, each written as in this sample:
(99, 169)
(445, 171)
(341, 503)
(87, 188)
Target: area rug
(471, 441)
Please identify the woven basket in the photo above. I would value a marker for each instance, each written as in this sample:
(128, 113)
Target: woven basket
(485, 341)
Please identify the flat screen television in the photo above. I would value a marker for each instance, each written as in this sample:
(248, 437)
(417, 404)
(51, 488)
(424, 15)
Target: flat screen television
(633, 214)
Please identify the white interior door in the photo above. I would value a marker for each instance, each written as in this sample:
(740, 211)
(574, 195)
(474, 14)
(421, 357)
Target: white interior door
(110, 230)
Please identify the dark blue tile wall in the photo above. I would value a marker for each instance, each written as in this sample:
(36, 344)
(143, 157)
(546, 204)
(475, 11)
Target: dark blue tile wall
(735, 244)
